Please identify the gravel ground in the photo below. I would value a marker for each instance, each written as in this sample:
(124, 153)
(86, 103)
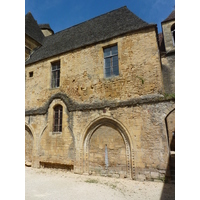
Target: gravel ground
(54, 184)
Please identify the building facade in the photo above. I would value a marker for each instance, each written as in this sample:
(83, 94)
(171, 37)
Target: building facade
(95, 98)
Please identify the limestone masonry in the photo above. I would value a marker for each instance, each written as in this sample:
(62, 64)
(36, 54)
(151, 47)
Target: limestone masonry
(100, 97)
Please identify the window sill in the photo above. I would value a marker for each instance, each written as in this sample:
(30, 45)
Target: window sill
(111, 77)
(55, 133)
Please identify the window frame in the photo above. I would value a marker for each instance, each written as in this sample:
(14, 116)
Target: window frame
(57, 120)
(55, 74)
(111, 57)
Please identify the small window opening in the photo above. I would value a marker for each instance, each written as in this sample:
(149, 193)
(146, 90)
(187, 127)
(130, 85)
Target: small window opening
(30, 74)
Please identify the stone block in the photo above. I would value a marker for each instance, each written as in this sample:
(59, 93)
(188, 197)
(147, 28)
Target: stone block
(158, 180)
(141, 177)
(115, 175)
(155, 175)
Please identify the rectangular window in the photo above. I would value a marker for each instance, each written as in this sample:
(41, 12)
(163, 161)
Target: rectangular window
(55, 74)
(111, 67)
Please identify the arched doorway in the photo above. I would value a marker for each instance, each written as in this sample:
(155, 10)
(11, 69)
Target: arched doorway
(28, 145)
(107, 150)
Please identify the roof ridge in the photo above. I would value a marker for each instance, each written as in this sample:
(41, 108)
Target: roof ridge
(91, 19)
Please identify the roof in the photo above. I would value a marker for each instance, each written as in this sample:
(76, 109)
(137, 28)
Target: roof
(45, 26)
(170, 17)
(32, 29)
(98, 29)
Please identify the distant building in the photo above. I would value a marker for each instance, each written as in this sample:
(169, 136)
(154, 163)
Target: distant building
(98, 99)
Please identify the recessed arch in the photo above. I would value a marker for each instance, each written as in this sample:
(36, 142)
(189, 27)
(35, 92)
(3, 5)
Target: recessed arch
(170, 128)
(28, 143)
(112, 125)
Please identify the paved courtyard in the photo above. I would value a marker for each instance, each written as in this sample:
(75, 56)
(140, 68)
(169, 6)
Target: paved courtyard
(54, 184)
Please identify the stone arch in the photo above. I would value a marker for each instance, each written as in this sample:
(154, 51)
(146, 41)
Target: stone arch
(170, 128)
(50, 140)
(28, 144)
(117, 126)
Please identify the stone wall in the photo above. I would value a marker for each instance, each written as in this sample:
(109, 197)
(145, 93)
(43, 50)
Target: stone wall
(137, 138)
(46, 32)
(82, 72)
(168, 73)
(107, 152)
(146, 131)
(28, 145)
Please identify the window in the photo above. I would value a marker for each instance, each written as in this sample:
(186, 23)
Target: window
(173, 33)
(57, 119)
(30, 74)
(55, 75)
(111, 67)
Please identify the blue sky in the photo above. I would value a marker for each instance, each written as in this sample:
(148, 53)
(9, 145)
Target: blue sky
(61, 14)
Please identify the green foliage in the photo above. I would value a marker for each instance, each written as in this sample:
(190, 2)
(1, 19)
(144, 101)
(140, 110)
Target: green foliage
(113, 186)
(91, 181)
(169, 96)
(140, 79)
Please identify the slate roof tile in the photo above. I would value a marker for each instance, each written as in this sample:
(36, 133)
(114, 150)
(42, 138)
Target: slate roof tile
(170, 17)
(32, 29)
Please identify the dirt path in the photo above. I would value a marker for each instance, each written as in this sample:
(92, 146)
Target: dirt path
(53, 184)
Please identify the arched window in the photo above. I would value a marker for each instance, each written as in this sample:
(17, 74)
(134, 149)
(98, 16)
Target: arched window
(173, 33)
(57, 119)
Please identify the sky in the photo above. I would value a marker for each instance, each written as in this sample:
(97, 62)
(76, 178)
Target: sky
(62, 14)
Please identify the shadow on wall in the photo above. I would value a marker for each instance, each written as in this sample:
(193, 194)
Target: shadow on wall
(168, 190)
(169, 186)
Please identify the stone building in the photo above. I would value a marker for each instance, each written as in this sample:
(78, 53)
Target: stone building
(96, 98)
(167, 52)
